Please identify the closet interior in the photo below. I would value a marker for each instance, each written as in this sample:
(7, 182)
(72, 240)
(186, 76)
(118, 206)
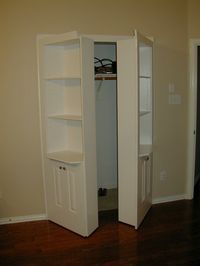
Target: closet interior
(106, 124)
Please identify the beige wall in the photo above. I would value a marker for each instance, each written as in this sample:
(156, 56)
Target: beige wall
(193, 18)
(20, 21)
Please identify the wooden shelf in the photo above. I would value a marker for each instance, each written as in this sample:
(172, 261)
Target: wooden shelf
(67, 117)
(105, 76)
(66, 157)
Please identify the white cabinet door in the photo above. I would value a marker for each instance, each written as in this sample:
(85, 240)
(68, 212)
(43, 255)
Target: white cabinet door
(67, 102)
(127, 130)
(65, 196)
(144, 186)
(130, 134)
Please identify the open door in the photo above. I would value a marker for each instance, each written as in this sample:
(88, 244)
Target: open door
(68, 137)
(135, 113)
(67, 109)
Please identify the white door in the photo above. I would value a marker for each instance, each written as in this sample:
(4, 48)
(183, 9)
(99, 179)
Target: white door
(65, 197)
(134, 72)
(67, 101)
(144, 186)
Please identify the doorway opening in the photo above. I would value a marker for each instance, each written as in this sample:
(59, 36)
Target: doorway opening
(106, 127)
(197, 148)
(193, 131)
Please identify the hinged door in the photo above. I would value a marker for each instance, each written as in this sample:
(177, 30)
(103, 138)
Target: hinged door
(134, 72)
(65, 196)
(68, 131)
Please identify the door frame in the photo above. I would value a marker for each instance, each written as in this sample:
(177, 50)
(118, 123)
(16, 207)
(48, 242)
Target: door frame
(192, 109)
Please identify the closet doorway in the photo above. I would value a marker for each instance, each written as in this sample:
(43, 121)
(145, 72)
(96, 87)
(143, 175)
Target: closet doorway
(106, 125)
(197, 150)
(193, 168)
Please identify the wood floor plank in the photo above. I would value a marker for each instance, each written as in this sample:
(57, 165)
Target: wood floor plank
(169, 235)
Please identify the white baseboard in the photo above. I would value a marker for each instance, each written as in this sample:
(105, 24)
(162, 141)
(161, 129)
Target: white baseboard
(19, 219)
(38, 217)
(169, 199)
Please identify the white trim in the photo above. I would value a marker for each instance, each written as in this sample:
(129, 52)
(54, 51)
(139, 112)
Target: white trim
(192, 97)
(20, 219)
(169, 199)
(40, 120)
(106, 38)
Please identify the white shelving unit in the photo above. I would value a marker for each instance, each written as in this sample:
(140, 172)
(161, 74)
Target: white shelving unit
(68, 135)
(145, 95)
(68, 126)
(62, 85)
(135, 134)
(145, 55)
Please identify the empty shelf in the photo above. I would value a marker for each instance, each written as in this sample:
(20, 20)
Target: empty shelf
(66, 157)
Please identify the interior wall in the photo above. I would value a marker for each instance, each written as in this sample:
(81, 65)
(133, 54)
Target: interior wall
(106, 134)
(21, 186)
(193, 33)
(193, 19)
(106, 122)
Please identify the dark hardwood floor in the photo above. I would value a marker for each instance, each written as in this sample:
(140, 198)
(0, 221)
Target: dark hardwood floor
(169, 235)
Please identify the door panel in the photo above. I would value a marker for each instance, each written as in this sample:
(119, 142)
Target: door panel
(145, 122)
(144, 186)
(58, 187)
(127, 130)
(134, 172)
(66, 198)
(72, 191)
(197, 151)
(70, 181)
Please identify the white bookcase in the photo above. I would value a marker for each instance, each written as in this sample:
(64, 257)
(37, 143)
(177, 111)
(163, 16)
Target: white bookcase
(68, 126)
(145, 95)
(63, 103)
(145, 160)
(68, 131)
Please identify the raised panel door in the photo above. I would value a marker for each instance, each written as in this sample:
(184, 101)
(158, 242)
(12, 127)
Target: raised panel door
(66, 199)
(144, 186)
